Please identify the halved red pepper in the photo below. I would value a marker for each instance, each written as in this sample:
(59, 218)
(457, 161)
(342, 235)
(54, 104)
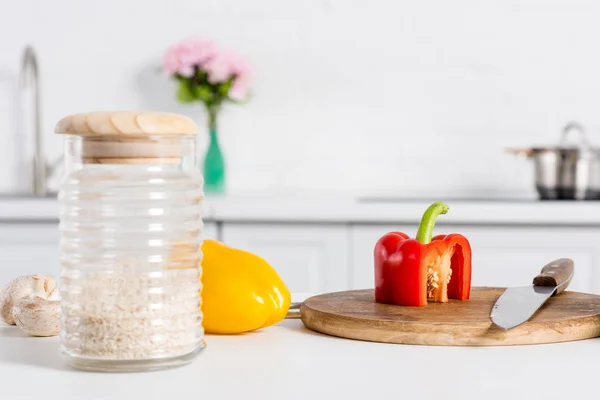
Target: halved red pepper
(409, 272)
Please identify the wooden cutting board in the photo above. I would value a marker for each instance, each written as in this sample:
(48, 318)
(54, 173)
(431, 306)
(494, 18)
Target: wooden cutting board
(355, 315)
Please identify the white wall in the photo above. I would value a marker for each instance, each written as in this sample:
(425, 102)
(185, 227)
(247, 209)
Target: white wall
(362, 96)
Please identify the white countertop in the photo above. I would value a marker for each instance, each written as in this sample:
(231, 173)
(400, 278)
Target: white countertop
(287, 361)
(348, 209)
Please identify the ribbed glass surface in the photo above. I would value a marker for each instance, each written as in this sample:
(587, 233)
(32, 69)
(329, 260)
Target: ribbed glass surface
(130, 278)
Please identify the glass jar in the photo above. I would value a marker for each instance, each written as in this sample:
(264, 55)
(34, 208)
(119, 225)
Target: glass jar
(130, 236)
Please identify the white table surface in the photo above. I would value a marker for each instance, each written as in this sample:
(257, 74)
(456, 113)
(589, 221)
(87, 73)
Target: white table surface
(287, 361)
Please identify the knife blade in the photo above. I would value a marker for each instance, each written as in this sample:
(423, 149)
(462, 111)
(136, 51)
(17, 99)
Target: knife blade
(516, 305)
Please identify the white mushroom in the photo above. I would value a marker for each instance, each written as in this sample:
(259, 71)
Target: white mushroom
(38, 316)
(22, 287)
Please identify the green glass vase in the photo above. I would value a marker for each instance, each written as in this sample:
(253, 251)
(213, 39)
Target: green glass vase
(214, 165)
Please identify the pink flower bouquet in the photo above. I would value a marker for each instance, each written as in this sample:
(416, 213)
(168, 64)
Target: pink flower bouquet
(213, 76)
(207, 73)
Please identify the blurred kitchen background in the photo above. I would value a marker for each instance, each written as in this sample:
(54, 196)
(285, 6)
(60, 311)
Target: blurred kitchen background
(354, 96)
(351, 99)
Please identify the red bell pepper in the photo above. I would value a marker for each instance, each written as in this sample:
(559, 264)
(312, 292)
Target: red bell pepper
(409, 272)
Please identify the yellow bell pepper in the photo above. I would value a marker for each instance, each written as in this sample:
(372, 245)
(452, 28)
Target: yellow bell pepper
(241, 292)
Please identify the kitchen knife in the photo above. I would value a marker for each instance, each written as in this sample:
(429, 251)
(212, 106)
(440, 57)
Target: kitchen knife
(294, 310)
(516, 305)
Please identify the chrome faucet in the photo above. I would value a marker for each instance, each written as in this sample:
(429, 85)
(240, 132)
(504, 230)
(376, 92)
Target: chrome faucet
(30, 78)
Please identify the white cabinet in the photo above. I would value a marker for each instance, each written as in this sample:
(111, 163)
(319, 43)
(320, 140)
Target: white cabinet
(314, 258)
(33, 248)
(512, 256)
(309, 258)
(28, 248)
(502, 255)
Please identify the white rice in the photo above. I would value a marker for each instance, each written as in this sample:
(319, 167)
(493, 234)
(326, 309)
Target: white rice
(132, 315)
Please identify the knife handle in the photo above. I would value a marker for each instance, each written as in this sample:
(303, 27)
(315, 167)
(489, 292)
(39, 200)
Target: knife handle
(557, 273)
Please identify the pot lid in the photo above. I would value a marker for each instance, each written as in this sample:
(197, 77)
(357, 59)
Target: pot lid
(582, 144)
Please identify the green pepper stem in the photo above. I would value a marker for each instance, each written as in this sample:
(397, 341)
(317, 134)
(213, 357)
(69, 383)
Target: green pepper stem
(425, 232)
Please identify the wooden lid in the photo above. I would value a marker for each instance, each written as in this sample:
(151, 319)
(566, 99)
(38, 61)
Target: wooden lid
(127, 137)
(132, 123)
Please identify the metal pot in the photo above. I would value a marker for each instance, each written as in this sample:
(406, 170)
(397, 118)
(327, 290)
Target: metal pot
(566, 172)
